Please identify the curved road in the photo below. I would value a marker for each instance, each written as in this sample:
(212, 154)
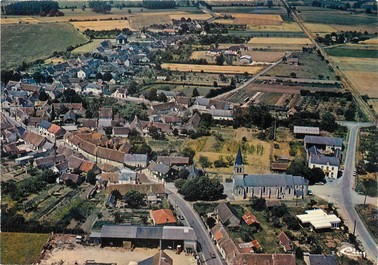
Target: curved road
(341, 191)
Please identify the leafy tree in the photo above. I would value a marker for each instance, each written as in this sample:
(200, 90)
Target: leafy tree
(116, 194)
(43, 96)
(179, 183)
(183, 173)
(328, 122)
(299, 253)
(204, 161)
(162, 97)
(202, 188)
(107, 76)
(258, 204)
(220, 59)
(70, 96)
(131, 109)
(134, 199)
(175, 132)
(91, 177)
(99, 6)
(195, 92)
(188, 152)
(118, 218)
(210, 221)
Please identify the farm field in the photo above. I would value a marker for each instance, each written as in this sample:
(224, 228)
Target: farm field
(362, 72)
(256, 154)
(252, 19)
(226, 69)
(370, 41)
(21, 248)
(18, 19)
(29, 42)
(101, 25)
(89, 47)
(286, 41)
(285, 26)
(257, 56)
(250, 10)
(310, 67)
(356, 51)
(337, 17)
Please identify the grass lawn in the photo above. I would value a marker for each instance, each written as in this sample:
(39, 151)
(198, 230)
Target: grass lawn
(21, 248)
(29, 42)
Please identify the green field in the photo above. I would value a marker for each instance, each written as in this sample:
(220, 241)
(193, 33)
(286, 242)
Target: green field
(336, 17)
(345, 51)
(21, 248)
(29, 42)
(89, 47)
(310, 66)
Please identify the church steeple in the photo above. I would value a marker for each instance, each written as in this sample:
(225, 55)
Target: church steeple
(239, 166)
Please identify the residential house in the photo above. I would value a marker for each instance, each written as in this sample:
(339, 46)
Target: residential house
(69, 177)
(265, 259)
(162, 217)
(193, 123)
(328, 164)
(121, 132)
(136, 160)
(226, 216)
(56, 131)
(152, 191)
(43, 128)
(36, 140)
(285, 242)
(224, 243)
(105, 117)
(250, 219)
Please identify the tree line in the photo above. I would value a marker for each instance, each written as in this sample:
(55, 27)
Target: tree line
(29, 8)
(167, 4)
(100, 6)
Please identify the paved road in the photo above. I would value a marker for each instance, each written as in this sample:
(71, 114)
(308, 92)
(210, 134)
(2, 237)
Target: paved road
(194, 221)
(232, 92)
(341, 192)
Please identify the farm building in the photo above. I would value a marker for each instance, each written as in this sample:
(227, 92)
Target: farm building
(324, 143)
(226, 216)
(318, 219)
(245, 59)
(147, 236)
(280, 186)
(301, 131)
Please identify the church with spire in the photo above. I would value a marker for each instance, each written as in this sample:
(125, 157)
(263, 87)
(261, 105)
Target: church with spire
(268, 186)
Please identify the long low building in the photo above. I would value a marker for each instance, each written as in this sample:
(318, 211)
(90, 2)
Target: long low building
(319, 219)
(151, 236)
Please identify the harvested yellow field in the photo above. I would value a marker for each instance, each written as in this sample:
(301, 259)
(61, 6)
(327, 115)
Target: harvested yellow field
(320, 28)
(226, 69)
(54, 60)
(362, 73)
(101, 25)
(370, 41)
(262, 56)
(257, 19)
(285, 26)
(13, 20)
(148, 19)
(295, 41)
(365, 82)
(199, 55)
(252, 19)
(179, 15)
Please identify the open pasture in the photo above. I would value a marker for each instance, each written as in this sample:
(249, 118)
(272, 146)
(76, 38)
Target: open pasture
(21, 248)
(226, 69)
(29, 42)
(256, 19)
(101, 25)
(89, 47)
(338, 17)
(356, 51)
(285, 41)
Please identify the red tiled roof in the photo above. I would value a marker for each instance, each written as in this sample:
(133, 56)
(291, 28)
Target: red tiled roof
(285, 241)
(33, 138)
(163, 216)
(86, 166)
(54, 129)
(250, 219)
(110, 154)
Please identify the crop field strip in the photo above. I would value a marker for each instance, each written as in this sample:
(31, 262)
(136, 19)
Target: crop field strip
(226, 69)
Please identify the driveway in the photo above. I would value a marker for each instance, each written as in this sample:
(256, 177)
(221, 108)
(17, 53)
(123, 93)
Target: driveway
(341, 192)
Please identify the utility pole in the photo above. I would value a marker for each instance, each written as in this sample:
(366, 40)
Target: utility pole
(365, 200)
(354, 228)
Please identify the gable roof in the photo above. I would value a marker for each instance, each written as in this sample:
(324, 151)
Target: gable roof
(163, 216)
(250, 219)
(321, 140)
(320, 259)
(45, 124)
(149, 188)
(224, 212)
(264, 259)
(173, 160)
(33, 138)
(285, 241)
(110, 154)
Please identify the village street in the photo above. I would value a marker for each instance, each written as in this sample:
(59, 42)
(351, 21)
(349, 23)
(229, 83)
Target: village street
(341, 192)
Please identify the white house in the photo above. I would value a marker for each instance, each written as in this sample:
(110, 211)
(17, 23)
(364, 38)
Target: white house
(81, 74)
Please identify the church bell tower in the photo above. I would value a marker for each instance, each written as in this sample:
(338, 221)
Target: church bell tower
(239, 166)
